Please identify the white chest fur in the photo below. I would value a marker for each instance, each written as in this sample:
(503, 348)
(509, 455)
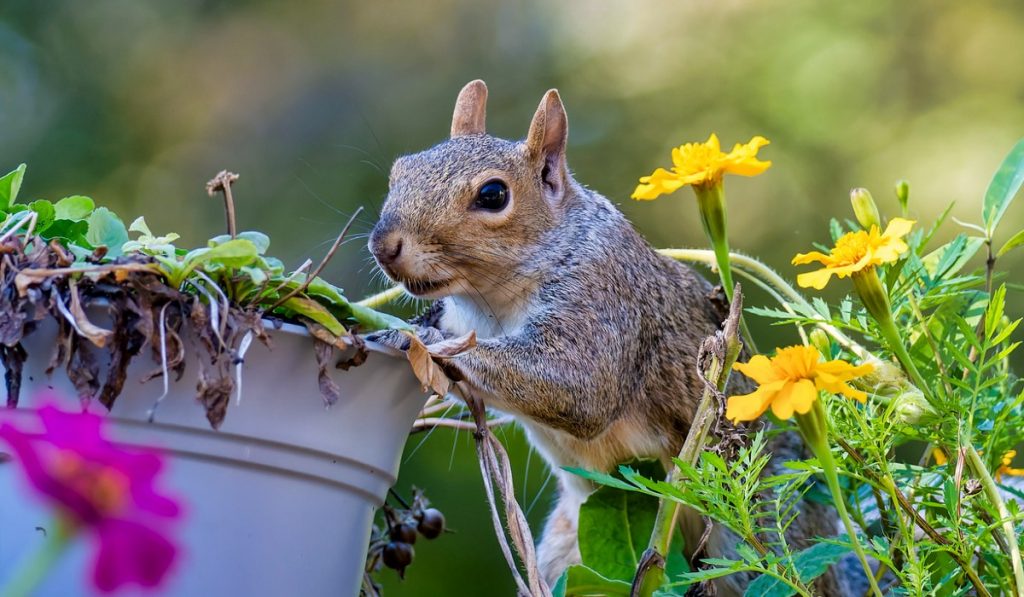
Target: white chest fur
(489, 319)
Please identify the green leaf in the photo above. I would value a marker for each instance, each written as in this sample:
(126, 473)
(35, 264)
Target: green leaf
(71, 231)
(106, 229)
(315, 311)
(560, 585)
(1015, 241)
(809, 564)
(615, 527)
(10, 184)
(601, 478)
(370, 320)
(44, 213)
(1003, 188)
(583, 581)
(262, 241)
(76, 207)
(232, 254)
(951, 257)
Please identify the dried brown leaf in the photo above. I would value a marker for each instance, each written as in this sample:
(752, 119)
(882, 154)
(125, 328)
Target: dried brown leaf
(97, 335)
(126, 343)
(452, 346)
(13, 360)
(214, 392)
(430, 375)
(82, 369)
(359, 354)
(324, 355)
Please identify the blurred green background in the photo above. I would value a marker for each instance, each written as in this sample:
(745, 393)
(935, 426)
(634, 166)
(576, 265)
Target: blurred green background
(138, 102)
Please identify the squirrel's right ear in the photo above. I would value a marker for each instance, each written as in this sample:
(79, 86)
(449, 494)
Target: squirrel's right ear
(546, 141)
(470, 110)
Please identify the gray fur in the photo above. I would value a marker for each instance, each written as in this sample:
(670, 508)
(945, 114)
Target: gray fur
(586, 334)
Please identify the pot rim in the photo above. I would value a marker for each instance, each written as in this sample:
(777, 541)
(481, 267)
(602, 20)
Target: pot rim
(280, 325)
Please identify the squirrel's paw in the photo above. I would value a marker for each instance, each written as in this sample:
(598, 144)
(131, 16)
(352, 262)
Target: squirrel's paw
(397, 339)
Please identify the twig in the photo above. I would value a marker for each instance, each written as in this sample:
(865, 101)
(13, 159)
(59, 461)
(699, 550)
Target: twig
(222, 183)
(495, 467)
(323, 263)
(425, 423)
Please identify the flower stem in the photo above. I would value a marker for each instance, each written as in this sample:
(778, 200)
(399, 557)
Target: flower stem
(992, 492)
(773, 279)
(33, 571)
(711, 202)
(382, 298)
(813, 426)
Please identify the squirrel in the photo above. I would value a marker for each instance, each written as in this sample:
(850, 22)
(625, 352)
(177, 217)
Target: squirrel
(585, 334)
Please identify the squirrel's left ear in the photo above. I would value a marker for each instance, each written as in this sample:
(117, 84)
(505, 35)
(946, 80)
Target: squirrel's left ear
(546, 141)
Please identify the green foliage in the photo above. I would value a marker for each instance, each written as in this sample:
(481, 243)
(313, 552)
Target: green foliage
(1004, 187)
(236, 268)
(10, 184)
(614, 526)
(928, 514)
(809, 564)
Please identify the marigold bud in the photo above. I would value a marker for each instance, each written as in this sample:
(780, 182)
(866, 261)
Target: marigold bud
(913, 409)
(820, 340)
(903, 194)
(885, 379)
(865, 209)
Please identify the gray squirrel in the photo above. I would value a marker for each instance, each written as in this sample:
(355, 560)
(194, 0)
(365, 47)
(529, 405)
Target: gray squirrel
(586, 335)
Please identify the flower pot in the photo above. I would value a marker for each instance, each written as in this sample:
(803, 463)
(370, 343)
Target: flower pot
(279, 500)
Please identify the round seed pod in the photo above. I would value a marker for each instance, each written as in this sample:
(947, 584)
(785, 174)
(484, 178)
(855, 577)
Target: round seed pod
(431, 523)
(403, 533)
(397, 555)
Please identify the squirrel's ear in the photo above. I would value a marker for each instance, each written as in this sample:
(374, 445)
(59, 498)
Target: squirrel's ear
(470, 110)
(546, 140)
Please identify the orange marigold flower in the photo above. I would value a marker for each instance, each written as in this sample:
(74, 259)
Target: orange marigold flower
(854, 252)
(703, 164)
(790, 381)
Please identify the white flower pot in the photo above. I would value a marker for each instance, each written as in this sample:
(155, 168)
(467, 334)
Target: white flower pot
(279, 501)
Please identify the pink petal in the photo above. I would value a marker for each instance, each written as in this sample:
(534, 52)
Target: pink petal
(27, 453)
(130, 553)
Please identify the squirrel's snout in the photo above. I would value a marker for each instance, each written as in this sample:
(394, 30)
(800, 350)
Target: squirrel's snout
(386, 246)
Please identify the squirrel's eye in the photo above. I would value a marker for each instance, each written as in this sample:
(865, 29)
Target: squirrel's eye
(493, 196)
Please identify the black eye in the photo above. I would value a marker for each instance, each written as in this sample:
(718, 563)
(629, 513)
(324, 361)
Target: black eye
(493, 196)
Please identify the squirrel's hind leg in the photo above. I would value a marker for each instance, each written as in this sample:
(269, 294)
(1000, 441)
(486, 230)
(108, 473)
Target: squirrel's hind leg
(558, 548)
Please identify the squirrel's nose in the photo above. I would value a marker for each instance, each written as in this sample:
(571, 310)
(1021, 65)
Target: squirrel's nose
(391, 248)
(385, 243)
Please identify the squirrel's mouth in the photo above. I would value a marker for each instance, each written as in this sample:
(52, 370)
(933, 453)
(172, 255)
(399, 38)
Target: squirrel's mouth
(422, 288)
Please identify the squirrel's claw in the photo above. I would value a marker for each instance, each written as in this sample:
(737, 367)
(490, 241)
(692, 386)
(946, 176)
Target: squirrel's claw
(397, 339)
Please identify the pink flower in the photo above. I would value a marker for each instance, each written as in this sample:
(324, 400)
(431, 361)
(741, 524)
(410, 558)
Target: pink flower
(104, 490)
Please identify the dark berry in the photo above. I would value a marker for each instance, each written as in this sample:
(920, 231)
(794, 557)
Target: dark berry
(431, 523)
(397, 555)
(403, 533)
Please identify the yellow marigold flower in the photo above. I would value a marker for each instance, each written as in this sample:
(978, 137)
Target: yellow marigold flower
(790, 381)
(854, 252)
(1006, 469)
(702, 164)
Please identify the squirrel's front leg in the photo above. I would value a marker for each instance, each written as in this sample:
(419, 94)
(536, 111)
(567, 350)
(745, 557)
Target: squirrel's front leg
(561, 382)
